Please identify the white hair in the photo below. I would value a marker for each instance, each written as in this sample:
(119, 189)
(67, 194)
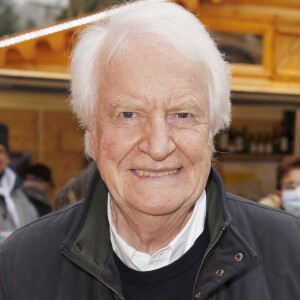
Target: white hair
(171, 23)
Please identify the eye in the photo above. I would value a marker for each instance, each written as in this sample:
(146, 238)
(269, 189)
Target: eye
(127, 114)
(181, 119)
(129, 118)
(183, 115)
(292, 185)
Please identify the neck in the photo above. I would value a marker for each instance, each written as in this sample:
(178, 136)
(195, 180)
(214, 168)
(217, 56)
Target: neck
(147, 233)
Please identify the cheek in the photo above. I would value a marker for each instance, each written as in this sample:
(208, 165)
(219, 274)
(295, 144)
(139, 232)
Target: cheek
(115, 143)
(195, 144)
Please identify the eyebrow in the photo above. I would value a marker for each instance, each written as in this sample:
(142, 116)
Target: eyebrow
(123, 104)
(289, 182)
(190, 105)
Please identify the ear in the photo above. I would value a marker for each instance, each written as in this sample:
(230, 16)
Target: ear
(89, 143)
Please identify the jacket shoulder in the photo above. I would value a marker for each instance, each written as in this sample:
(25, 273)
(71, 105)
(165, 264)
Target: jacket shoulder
(49, 229)
(34, 251)
(274, 237)
(260, 216)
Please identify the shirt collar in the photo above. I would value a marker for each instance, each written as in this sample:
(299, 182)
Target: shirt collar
(178, 246)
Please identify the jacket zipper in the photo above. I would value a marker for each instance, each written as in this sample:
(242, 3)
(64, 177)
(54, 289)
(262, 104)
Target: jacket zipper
(83, 268)
(204, 258)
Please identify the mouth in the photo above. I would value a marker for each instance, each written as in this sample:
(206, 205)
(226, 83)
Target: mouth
(147, 173)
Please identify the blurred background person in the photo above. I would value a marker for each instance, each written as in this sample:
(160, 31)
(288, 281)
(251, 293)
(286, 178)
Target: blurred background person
(15, 208)
(287, 194)
(37, 186)
(288, 184)
(75, 188)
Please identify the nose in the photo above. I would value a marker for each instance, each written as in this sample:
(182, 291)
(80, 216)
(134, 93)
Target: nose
(157, 141)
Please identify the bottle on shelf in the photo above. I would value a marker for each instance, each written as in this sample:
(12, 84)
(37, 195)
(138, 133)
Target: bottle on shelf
(223, 142)
(239, 141)
(245, 140)
(276, 139)
(253, 142)
(259, 138)
(261, 142)
(231, 147)
(269, 142)
(290, 123)
(284, 140)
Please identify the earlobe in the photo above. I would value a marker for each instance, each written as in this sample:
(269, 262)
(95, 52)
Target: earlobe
(89, 144)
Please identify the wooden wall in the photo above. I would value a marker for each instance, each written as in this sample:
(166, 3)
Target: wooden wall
(277, 21)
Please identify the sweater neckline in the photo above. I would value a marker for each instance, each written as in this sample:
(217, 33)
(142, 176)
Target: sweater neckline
(172, 270)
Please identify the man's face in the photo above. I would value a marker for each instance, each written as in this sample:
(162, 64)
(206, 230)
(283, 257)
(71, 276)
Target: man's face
(152, 137)
(3, 158)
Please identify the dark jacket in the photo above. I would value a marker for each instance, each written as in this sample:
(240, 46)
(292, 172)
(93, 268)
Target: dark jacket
(253, 253)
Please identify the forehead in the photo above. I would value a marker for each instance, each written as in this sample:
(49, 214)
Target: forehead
(150, 70)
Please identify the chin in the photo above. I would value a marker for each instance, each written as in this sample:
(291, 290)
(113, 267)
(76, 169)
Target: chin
(157, 206)
(158, 211)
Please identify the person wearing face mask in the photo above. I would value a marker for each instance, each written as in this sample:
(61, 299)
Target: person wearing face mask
(288, 184)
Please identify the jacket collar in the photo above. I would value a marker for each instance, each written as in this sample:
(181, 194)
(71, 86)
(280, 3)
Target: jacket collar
(217, 207)
(228, 253)
(88, 243)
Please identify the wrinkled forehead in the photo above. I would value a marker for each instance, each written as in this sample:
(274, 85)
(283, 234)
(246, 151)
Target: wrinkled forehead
(133, 42)
(136, 53)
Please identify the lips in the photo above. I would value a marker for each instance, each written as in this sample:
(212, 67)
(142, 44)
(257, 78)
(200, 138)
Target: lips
(147, 173)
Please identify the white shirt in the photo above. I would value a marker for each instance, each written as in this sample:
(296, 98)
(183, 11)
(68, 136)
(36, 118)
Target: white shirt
(184, 240)
(7, 183)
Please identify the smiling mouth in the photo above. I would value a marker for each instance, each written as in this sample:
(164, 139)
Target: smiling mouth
(155, 174)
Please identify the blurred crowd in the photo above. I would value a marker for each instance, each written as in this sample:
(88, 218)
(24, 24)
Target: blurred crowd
(25, 195)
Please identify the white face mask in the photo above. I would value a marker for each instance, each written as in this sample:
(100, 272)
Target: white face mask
(291, 201)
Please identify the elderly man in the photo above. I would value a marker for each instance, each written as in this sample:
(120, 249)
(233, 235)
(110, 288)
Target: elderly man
(152, 90)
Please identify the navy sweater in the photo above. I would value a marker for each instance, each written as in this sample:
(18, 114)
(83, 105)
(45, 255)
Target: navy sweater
(172, 282)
